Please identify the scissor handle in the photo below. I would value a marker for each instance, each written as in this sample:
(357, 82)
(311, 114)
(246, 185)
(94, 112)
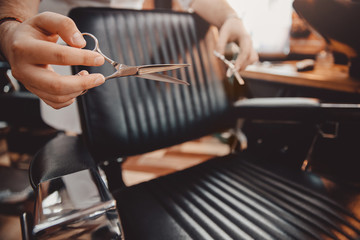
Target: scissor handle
(231, 67)
(97, 48)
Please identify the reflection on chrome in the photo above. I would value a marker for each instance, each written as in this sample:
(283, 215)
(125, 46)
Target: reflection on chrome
(76, 206)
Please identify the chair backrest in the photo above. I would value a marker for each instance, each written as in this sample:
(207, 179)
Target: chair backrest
(130, 115)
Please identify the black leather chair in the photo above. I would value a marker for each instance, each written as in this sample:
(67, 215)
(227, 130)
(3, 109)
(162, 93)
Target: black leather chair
(238, 196)
(336, 22)
(22, 132)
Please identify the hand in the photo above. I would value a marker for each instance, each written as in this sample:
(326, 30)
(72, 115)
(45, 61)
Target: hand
(30, 48)
(233, 30)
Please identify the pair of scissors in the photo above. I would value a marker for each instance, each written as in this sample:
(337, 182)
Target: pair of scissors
(143, 71)
(231, 68)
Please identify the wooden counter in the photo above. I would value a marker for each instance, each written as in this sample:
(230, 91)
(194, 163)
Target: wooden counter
(336, 78)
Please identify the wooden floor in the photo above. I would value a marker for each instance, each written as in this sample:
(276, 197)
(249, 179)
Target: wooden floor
(144, 167)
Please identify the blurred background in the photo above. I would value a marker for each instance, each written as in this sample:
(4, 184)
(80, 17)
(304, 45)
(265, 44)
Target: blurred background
(281, 37)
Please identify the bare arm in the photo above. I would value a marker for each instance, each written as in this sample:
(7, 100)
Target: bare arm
(22, 9)
(30, 48)
(17, 9)
(222, 15)
(214, 11)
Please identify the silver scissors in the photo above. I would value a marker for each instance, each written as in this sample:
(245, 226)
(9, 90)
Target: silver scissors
(144, 71)
(231, 68)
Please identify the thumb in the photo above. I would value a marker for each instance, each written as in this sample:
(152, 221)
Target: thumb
(222, 42)
(65, 27)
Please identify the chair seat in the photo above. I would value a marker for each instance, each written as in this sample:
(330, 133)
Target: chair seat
(234, 197)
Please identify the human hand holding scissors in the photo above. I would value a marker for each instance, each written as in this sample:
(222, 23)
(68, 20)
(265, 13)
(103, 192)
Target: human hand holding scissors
(231, 68)
(143, 71)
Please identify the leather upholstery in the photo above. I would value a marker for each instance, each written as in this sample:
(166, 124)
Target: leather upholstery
(62, 155)
(230, 197)
(136, 115)
(338, 24)
(337, 21)
(18, 107)
(234, 198)
(21, 109)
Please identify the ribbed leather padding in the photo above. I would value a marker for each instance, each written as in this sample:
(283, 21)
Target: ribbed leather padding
(132, 115)
(230, 198)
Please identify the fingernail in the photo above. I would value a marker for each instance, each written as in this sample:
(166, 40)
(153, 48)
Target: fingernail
(100, 80)
(78, 39)
(99, 60)
(82, 73)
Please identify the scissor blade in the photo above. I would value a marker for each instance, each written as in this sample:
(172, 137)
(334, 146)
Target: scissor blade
(239, 78)
(145, 69)
(162, 78)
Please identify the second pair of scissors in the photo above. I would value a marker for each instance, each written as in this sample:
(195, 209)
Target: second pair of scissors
(144, 71)
(231, 68)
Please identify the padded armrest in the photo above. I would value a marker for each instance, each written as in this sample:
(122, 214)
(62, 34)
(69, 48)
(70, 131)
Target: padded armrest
(21, 108)
(296, 109)
(18, 107)
(4, 65)
(60, 156)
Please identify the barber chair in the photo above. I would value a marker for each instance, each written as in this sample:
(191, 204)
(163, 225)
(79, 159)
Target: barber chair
(243, 195)
(336, 21)
(22, 134)
(20, 109)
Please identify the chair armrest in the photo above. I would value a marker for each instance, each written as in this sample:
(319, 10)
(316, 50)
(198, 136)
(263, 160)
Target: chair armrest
(296, 109)
(18, 107)
(6, 76)
(21, 108)
(60, 156)
(71, 197)
(4, 65)
(76, 205)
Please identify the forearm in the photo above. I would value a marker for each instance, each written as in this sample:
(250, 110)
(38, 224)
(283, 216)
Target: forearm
(215, 12)
(20, 9)
(231, 29)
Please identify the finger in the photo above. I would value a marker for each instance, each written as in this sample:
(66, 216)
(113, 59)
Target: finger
(54, 83)
(222, 42)
(83, 73)
(231, 31)
(241, 60)
(55, 99)
(54, 23)
(60, 55)
(250, 60)
(59, 105)
(254, 57)
(244, 54)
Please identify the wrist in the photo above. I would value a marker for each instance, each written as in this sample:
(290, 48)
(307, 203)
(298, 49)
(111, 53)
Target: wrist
(232, 16)
(9, 19)
(234, 20)
(6, 24)
(228, 16)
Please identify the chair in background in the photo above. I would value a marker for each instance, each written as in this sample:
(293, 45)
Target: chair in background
(22, 134)
(243, 195)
